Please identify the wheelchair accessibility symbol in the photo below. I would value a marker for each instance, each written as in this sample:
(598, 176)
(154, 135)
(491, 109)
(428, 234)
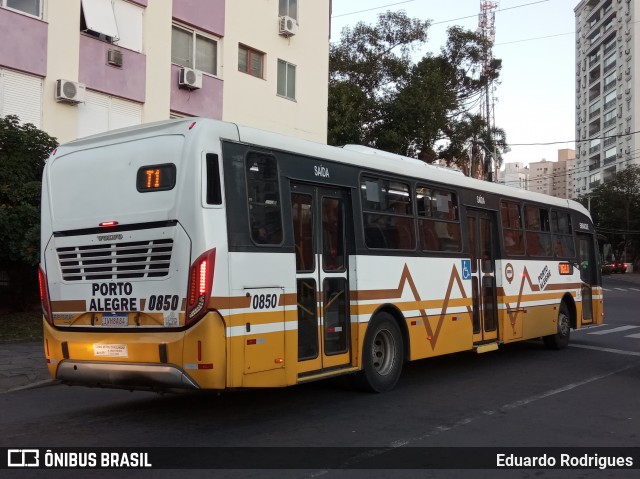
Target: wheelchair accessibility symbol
(466, 269)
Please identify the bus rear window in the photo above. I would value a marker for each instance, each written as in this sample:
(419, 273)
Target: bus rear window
(156, 178)
(263, 196)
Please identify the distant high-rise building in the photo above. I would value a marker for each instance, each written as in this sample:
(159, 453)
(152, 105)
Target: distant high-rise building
(515, 174)
(551, 177)
(555, 178)
(605, 90)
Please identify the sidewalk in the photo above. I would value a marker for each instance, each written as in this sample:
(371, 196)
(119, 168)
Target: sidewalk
(22, 364)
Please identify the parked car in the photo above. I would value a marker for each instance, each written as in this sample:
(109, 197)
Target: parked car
(618, 267)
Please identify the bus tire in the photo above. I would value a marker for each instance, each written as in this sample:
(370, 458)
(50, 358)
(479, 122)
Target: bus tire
(382, 355)
(560, 340)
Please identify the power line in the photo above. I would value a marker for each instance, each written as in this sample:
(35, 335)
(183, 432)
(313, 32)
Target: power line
(569, 171)
(535, 38)
(441, 21)
(374, 8)
(572, 141)
(498, 10)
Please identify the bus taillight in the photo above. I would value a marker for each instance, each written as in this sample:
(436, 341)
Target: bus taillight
(44, 296)
(200, 285)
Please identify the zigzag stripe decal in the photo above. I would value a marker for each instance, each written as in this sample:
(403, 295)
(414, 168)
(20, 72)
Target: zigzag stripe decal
(406, 278)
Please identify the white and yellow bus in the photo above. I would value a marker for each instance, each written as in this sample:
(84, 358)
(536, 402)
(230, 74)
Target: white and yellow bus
(197, 254)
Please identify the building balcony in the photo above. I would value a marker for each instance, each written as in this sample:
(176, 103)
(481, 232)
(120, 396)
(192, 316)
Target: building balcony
(594, 166)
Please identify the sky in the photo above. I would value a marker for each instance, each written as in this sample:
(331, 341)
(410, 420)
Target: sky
(535, 39)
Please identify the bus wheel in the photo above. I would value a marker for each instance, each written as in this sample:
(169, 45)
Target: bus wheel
(560, 340)
(382, 355)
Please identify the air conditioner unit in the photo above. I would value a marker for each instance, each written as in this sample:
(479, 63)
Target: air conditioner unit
(114, 57)
(189, 78)
(288, 26)
(70, 91)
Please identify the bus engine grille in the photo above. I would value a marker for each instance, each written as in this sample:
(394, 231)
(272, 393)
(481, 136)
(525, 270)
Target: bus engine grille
(138, 259)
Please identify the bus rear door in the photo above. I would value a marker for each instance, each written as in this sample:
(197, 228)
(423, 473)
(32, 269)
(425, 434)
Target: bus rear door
(482, 240)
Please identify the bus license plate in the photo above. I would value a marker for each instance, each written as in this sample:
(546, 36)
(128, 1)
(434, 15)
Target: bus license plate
(115, 320)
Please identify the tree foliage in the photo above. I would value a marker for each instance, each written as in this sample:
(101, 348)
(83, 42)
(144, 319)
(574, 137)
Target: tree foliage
(365, 67)
(23, 151)
(615, 208)
(380, 97)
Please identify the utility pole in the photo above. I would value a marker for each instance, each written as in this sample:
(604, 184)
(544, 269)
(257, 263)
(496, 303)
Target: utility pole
(487, 28)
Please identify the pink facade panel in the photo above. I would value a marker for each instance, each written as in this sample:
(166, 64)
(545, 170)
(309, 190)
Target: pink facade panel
(206, 102)
(126, 82)
(24, 44)
(205, 15)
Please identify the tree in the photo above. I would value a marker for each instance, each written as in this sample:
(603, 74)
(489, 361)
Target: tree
(23, 151)
(471, 144)
(364, 68)
(615, 208)
(379, 97)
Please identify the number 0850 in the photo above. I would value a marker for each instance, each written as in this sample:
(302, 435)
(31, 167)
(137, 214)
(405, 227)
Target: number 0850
(163, 303)
(264, 301)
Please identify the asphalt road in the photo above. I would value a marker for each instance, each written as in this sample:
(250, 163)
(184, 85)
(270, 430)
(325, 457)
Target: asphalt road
(521, 395)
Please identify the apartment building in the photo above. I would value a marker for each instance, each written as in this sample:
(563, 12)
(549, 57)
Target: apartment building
(80, 67)
(555, 178)
(607, 42)
(515, 174)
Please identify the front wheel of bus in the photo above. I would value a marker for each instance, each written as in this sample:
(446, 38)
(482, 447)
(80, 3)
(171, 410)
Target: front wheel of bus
(382, 355)
(560, 340)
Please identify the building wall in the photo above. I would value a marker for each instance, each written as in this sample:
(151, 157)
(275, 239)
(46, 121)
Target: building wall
(157, 47)
(516, 175)
(59, 119)
(40, 51)
(27, 50)
(552, 177)
(607, 43)
(254, 101)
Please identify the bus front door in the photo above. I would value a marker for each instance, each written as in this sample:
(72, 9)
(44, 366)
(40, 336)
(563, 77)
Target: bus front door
(482, 238)
(320, 222)
(588, 274)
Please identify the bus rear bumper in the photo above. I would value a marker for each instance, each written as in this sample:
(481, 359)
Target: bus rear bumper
(150, 377)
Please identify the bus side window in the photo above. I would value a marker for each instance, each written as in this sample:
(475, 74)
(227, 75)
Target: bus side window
(438, 222)
(562, 234)
(387, 214)
(512, 234)
(263, 197)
